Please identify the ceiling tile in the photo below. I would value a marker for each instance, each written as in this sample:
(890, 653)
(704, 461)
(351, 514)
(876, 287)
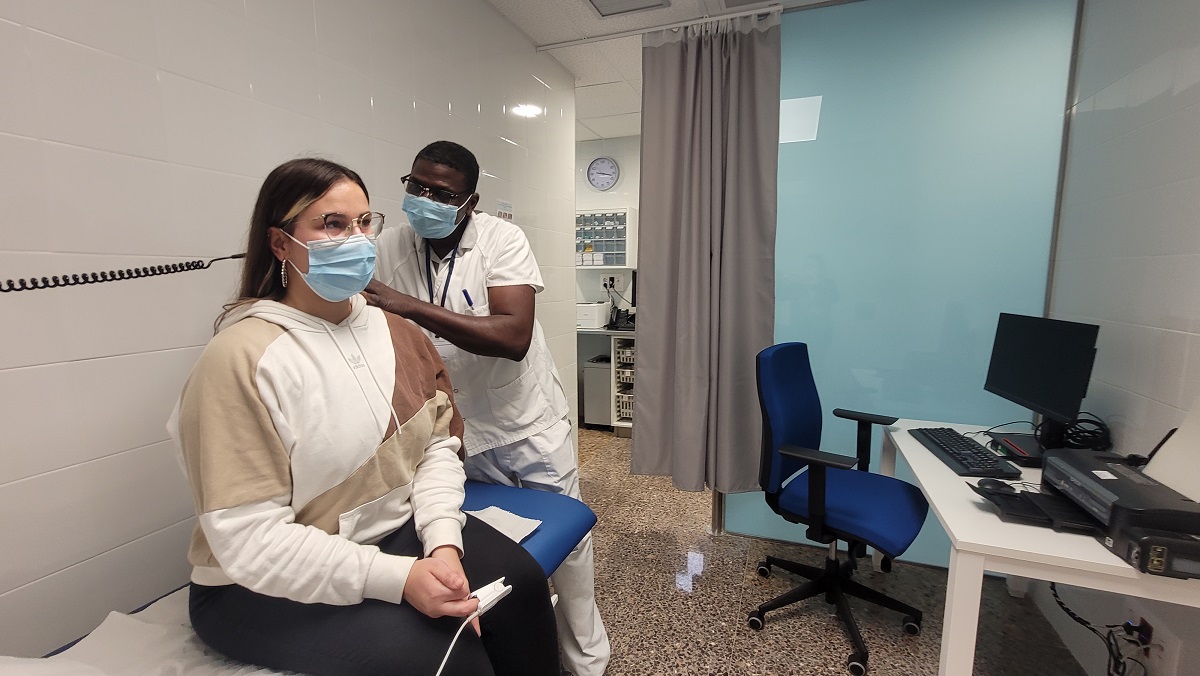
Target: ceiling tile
(614, 126)
(606, 99)
(680, 10)
(625, 54)
(616, 62)
(587, 64)
(582, 133)
(608, 8)
(542, 20)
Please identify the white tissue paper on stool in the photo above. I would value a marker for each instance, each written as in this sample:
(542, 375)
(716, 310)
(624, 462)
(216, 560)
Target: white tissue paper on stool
(514, 526)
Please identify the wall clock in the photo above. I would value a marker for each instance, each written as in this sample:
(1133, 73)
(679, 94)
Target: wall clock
(602, 173)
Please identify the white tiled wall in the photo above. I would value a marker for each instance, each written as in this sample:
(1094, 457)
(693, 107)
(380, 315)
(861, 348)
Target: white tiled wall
(1128, 254)
(136, 133)
(627, 151)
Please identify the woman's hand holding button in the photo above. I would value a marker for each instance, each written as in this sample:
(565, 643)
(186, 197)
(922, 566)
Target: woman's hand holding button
(437, 589)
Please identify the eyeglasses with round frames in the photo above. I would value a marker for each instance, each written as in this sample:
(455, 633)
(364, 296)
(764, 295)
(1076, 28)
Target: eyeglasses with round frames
(418, 189)
(339, 227)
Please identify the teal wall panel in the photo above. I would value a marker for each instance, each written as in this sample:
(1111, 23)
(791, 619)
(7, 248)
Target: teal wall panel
(922, 210)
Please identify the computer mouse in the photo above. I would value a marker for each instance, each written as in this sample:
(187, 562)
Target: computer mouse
(996, 485)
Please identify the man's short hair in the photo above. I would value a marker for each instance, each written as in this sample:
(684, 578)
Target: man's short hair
(450, 154)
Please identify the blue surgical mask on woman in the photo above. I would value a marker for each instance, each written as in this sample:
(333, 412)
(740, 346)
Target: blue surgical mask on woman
(337, 271)
(429, 219)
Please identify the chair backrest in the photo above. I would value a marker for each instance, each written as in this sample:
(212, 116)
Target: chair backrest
(791, 410)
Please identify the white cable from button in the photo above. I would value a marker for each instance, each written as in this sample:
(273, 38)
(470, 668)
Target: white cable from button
(453, 640)
(488, 595)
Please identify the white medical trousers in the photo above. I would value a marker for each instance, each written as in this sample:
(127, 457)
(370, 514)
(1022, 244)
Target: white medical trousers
(546, 462)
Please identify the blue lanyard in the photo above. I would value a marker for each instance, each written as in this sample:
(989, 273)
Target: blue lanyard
(429, 273)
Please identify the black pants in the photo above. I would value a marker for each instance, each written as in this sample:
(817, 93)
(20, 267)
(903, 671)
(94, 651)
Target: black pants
(377, 637)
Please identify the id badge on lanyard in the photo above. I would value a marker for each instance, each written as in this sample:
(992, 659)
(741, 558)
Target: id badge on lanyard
(446, 350)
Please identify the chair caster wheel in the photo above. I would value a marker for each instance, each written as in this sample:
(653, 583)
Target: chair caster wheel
(856, 664)
(764, 569)
(755, 620)
(912, 625)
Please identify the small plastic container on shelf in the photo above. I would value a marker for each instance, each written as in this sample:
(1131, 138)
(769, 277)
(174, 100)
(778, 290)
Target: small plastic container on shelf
(625, 376)
(624, 403)
(625, 355)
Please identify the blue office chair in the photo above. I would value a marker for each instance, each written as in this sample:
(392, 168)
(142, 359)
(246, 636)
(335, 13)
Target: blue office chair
(565, 520)
(835, 501)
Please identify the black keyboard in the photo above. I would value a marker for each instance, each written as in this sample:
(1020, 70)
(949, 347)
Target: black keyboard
(964, 455)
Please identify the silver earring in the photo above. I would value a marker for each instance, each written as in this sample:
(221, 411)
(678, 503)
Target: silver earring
(283, 272)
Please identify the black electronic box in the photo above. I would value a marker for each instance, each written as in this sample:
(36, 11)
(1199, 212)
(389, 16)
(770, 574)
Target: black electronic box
(1148, 524)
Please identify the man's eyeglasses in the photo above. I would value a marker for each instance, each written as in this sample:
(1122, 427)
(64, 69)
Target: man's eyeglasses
(339, 227)
(418, 189)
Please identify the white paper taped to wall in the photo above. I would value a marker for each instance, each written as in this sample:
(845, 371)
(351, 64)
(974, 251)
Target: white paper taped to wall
(799, 118)
(1177, 463)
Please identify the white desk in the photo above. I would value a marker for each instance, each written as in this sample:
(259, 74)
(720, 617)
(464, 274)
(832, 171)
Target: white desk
(980, 541)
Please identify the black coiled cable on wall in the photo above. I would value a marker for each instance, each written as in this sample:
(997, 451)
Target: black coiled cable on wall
(109, 276)
(1087, 431)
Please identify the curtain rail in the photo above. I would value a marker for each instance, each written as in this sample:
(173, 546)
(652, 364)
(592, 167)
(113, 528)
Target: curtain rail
(642, 31)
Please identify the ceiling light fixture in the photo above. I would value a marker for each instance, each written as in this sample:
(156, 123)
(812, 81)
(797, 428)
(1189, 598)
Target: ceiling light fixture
(607, 8)
(527, 110)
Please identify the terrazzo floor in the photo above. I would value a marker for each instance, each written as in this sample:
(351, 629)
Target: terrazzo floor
(674, 598)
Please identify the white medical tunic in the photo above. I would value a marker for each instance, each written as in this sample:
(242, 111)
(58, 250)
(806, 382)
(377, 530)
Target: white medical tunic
(501, 401)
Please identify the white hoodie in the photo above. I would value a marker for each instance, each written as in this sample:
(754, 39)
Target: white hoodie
(306, 442)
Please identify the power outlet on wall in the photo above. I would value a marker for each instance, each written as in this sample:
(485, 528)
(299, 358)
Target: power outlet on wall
(618, 281)
(1162, 657)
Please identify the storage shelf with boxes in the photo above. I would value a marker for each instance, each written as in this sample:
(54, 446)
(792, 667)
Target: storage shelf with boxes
(606, 238)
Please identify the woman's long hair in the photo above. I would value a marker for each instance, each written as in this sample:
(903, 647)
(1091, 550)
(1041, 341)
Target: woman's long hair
(288, 190)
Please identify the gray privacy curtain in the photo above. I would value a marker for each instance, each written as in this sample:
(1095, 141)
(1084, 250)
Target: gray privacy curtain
(706, 263)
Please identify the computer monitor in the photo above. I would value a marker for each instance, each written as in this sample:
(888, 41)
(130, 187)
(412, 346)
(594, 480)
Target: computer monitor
(1044, 365)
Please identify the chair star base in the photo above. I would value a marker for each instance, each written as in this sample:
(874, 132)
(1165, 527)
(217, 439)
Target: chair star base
(835, 583)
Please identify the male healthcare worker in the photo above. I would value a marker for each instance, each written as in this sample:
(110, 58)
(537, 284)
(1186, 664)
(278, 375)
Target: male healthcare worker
(468, 279)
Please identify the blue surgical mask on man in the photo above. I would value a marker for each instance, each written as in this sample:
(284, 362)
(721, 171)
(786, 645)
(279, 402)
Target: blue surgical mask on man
(337, 271)
(429, 219)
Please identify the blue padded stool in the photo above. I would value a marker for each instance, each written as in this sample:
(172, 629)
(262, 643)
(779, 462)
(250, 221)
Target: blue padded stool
(565, 520)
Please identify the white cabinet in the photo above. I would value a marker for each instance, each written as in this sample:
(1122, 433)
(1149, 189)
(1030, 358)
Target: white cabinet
(619, 347)
(606, 238)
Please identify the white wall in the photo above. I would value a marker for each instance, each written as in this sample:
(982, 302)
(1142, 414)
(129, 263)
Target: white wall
(627, 151)
(1128, 253)
(137, 132)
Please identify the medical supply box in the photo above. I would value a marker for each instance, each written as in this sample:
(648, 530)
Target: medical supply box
(591, 315)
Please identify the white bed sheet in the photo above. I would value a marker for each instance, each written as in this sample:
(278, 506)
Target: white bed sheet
(158, 641)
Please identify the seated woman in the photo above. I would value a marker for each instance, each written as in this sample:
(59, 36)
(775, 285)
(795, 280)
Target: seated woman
(321, 442)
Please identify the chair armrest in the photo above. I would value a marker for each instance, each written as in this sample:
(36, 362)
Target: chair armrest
(819, 457)
(872, 418)
(818, 462)
(865, 420)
